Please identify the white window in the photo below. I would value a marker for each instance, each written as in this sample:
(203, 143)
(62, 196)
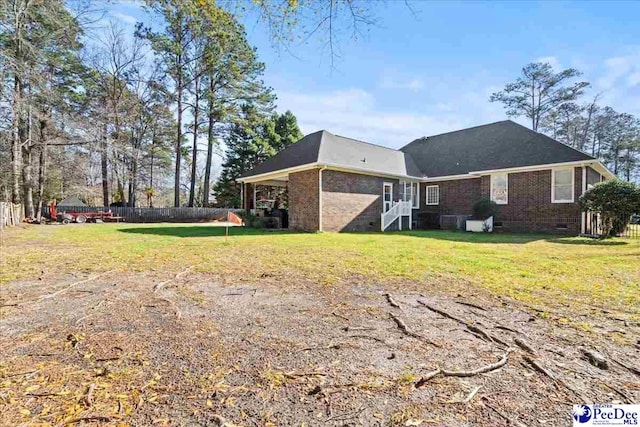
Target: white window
(432, 194)
(562, 185)
(500, 188)
(409, 192)
(415, 195)
(387, 196)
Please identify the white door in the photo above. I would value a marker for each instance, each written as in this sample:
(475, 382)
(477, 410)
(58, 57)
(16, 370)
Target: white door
(387, 195)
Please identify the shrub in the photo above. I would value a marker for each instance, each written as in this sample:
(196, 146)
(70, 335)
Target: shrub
(484, 208)
(615, 200)
(251, 220)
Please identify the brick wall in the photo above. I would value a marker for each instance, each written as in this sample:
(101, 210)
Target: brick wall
(352, 202)
(303, 200)
(529, 205)
(456, 197)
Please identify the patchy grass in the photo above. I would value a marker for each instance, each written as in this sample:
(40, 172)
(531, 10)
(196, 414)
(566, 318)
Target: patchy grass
(539, 270)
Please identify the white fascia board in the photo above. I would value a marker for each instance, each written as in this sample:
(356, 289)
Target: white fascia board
(597, 165)
(362, 171)
(535, 167)
(602, 170)
(277, 174)
(449, 178)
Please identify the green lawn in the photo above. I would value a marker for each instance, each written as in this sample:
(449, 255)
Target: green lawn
(539, 270)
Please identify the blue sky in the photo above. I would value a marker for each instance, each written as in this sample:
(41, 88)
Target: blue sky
(433, 71)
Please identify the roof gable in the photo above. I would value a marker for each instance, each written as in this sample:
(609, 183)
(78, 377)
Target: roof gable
(499, 145)
(299, 153)
(325, 148)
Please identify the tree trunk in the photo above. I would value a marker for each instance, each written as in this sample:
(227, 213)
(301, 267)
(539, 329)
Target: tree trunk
(207, 169)
(27, 180)
(16, 158)
(194, 152)
(150, 192)
(176, 184)
(133, 183)
(104, 163)
(42, 168)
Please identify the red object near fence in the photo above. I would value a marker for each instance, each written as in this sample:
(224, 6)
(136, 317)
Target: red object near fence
(52, 211)
(231, 217)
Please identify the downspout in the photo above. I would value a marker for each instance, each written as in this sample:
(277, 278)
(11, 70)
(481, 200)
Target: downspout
(320, 197)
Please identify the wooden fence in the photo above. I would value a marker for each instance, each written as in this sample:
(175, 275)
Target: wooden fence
(10, 214)
(153, 214)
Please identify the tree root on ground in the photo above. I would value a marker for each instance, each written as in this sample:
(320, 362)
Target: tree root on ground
(463, 374)
(391, 301)
(403, 327)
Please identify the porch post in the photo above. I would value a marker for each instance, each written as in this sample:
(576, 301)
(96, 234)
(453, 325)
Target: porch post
(583, 215)
(255, 190)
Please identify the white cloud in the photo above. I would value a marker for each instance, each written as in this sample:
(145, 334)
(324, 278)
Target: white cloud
(615, 69)
(634, 79)
(619, 82)
(395, 79)
(354, 113)
(414, 84)
(128, 19)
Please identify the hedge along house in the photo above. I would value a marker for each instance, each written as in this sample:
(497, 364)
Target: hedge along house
(341, 184)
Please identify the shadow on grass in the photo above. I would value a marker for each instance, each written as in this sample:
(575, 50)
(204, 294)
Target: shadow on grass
(201, 231)
(507, 238)
(452, 236)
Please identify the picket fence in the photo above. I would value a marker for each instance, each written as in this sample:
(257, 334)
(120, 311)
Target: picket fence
(10, 214)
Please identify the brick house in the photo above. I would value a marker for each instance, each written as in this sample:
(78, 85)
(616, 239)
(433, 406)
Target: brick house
(341, 184)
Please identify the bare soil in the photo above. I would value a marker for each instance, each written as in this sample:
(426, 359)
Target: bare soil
(147, 349)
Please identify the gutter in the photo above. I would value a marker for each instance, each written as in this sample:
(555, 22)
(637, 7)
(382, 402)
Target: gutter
(474, 174)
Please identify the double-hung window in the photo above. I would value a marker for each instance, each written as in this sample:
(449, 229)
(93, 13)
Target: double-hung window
(500, 188)
(432, 195)
(562, 185)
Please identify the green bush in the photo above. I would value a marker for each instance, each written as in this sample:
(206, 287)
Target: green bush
(484, 208)
(251, 220)
(616, 201)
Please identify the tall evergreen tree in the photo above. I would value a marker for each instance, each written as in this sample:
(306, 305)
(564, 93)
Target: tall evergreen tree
(173, 46)
(539, 92)
(36, 39)
(253, 139)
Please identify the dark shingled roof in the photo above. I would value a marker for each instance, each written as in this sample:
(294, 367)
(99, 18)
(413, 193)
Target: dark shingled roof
(497, 145)
(328, 149)
(494, 146)
(297, 154)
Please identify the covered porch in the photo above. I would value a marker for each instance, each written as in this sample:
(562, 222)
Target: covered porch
(267, 199)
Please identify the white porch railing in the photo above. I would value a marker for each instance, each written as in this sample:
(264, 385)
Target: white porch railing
(396, 211)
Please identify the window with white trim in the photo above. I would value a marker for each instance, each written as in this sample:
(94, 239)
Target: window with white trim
(409, 192)
(415, 195)
(500, 188)
(432, 194)
(562, 184)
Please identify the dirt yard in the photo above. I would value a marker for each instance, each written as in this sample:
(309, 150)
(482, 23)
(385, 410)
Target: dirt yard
(143, 343)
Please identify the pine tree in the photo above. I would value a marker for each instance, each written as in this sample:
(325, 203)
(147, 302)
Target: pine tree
(252, 140)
